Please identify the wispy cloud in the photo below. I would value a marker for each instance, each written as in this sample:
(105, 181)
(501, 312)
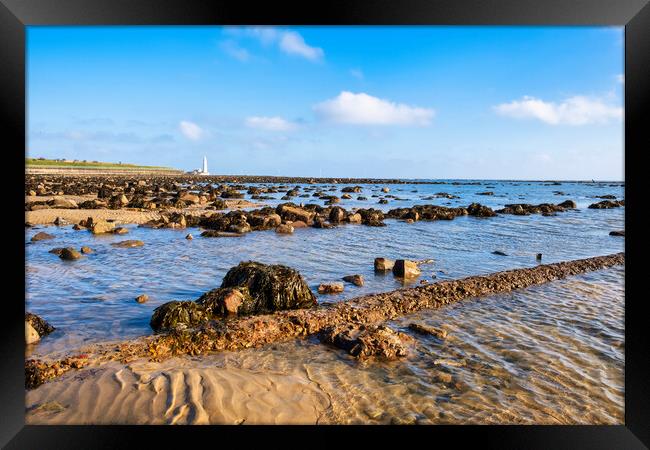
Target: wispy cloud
(191, 130)
(233, 49)
(288, 41)
(364, 109)
(270, 123)
(577, 110)
(620, 78)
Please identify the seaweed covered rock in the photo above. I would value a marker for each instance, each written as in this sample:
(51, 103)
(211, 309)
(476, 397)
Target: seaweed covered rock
(478, 210)
(41, 326)
(271, 287)
(226, 301)
(363, 341)
(178, 314)
(607, 204)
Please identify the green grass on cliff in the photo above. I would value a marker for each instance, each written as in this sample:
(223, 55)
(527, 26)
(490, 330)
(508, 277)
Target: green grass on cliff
(34, 162)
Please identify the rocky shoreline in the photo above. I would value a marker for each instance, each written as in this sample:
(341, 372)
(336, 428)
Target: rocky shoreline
(357, 318)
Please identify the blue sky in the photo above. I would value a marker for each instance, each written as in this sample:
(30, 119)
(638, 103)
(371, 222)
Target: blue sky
(409, 102)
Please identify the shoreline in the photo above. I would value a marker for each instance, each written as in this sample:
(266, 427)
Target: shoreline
(257, 331)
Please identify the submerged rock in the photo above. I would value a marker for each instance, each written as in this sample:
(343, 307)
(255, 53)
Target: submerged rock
(499, 252)
(424, 329)
(363, 341)
(617, 233)
(41, 236)
(607, 204)
(128, 244)
(69, 254)
(357, 280)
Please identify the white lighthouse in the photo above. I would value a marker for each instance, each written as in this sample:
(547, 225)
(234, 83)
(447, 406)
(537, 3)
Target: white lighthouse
(204, 171)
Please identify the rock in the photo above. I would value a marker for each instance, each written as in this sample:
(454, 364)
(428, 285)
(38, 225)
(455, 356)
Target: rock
(41, 236)
(57, 251)
(189, 236)
(382, 201)
(128, 244)
(288, 212)
(239, 228)
(346, 196)
(271, 287)
(424, 329)
(101, 226)
(363, 341)
(41, 326)
(31, 193)
(385, 190)
(406, 269)
(120, 230)
(190, 198)
(478, 210)
(63, 203)
(298, 224)
(539, 257)
(142, 298)
(357, 280)
(444, 377)
(383, 264)
(499, 252)
(60, 221)
(485, 193)
(284, 229)
(69, 254)
(354, 218)
(78, 227)
(178, 314)
(227, 301)
(337, 214)
(214, 233)
(607, 204)
(330, 288)
(86, 250)
(617, 233)
(31, 335)
(568, 204)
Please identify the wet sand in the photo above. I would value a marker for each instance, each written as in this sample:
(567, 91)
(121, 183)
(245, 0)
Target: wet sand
(178, 391)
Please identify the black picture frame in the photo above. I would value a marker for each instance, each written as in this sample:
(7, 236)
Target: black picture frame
(15, 15)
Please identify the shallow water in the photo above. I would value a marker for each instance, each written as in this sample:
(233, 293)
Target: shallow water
(92, 300)
(551, 354)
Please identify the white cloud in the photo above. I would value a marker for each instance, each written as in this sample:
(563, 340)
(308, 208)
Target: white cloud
(293, 44)
(290, 42)
(577, 110)
(364, 109)
(270, 123)
(233, 49)
(620, 78)
(191, 130)
(356, 73)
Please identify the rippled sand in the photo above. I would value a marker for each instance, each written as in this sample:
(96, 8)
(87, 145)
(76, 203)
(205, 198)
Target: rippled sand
(551, 354)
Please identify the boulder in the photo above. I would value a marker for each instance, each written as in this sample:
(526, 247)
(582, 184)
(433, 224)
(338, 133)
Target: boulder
(357, 280)
(41, 326)
(57, 251)
(337, 214)
(101, 226)
(227, 301)
(69, 254)
(330, 288)
(288, 212)
(568, 204)
(478, 210)
(178, 315)
(86, 250)
(363, 341)
(63, 203)
(406, 269)
(128, 244)
(41, 236)
(271, 287)
(607, 204)
(298, 224)
(384, 264)
(354, 218)
(284, 229)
